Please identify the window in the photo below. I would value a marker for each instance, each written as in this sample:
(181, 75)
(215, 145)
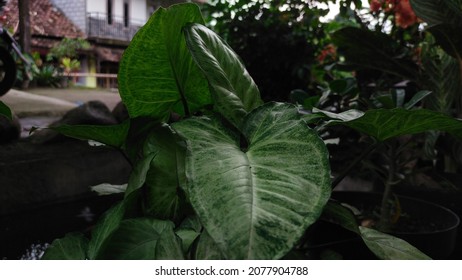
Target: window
(109, 11)
(126, 14)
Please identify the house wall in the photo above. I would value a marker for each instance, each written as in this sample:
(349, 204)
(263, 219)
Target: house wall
(137, 8)
(74, 10)
(96, 6)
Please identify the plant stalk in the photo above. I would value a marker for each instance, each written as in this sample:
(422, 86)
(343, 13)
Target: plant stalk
(384, 221)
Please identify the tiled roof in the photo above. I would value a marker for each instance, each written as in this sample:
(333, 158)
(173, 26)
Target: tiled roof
(109, 54)
(46, 20)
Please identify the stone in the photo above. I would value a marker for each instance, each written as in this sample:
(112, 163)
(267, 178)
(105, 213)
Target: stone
(90, 113)
(120, 112)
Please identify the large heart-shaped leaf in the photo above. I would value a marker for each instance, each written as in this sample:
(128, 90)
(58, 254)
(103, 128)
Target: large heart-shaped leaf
(142, 239)
(157, 74)
(234, 91)
(256, 201)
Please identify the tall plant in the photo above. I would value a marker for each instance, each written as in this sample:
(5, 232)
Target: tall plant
(217, 174)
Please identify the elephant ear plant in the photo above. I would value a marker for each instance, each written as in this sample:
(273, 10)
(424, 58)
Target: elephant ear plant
(217, 174)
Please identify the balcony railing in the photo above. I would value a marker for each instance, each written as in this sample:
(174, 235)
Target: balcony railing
(115, 28)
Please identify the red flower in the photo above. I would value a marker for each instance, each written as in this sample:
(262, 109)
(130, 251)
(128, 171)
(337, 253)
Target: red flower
(404, 15)
(376, 5)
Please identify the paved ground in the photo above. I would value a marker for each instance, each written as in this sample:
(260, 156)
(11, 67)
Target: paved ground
(42, 106)
(52, 102)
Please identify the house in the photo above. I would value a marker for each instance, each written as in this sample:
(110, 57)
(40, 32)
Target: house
(108, 25)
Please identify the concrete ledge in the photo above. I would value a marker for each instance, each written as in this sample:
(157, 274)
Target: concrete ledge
(33, 175)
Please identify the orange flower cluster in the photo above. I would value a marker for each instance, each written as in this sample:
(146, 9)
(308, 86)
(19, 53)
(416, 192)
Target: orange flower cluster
(404, 15)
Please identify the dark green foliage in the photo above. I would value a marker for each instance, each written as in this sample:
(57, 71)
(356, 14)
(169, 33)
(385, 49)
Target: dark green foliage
(277, 40)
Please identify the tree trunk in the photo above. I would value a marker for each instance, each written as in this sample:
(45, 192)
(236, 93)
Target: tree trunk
(24, 25)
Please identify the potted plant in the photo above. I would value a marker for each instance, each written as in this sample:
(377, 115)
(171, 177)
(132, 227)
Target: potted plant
(217, 173)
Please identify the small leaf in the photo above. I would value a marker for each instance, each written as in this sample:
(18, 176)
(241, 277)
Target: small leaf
(188, 232)
(187, 236)
(389, 247)
(143, 239)
(108, 189)
(419, 96)
(71, 247)
(112, 135)
(335, 213)
(139, 173)
(303, 98)
(140, 128)
(346, 116)
(5, 111)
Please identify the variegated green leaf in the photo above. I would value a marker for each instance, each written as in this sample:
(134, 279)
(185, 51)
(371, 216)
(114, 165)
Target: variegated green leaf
(234, 91)
(256, 200)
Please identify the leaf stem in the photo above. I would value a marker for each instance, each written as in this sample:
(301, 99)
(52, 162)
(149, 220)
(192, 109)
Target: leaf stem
(187, 113)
